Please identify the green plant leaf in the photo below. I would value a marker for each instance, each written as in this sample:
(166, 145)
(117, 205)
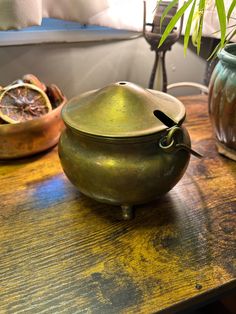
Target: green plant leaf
(231, 8)
(196, 21)
(201, 9)
(174, 20)
(232, 34)
(188, 28)
(222, 19)
(228, 38)
(199, 36)
(214, 52)
(167, 9)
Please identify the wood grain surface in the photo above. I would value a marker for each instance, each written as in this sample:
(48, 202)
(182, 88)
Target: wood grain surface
(61, 252)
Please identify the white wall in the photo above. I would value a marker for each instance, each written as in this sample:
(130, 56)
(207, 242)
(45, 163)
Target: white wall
(78, 67)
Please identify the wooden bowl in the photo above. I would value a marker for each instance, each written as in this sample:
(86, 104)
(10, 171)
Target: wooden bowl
(31, 137)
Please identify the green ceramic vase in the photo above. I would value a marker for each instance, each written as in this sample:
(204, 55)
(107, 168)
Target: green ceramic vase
(222, 101)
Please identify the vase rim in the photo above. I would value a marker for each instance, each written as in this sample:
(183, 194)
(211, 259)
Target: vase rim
(228, 54)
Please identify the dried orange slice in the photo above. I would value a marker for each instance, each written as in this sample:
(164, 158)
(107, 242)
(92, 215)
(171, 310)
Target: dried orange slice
(22, 102)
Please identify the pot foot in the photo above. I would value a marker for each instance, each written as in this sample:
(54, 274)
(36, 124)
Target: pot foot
(127, 212)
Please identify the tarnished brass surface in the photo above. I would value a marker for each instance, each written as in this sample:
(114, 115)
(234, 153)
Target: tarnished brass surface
(121, 109)
(31, 137)
(121, 172)
(131, 165)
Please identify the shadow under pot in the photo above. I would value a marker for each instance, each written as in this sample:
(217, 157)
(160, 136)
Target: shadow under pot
(124, 145)
(222, 101)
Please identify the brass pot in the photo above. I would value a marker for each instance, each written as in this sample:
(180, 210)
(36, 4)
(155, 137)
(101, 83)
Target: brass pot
(124, 145)
(31, 137)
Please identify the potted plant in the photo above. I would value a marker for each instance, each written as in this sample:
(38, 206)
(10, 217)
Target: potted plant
(222, 88)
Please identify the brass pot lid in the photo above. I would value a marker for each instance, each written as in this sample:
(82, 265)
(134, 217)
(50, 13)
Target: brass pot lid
(121, 109)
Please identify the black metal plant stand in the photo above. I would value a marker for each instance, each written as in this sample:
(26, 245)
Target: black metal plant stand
(153, 37)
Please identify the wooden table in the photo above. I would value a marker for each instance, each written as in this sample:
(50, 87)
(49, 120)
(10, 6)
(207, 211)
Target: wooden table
(62, 252)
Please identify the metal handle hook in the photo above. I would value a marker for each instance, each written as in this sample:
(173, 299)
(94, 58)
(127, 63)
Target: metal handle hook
(169, 143)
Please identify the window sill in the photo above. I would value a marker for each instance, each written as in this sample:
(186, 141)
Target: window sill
(59, 31)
